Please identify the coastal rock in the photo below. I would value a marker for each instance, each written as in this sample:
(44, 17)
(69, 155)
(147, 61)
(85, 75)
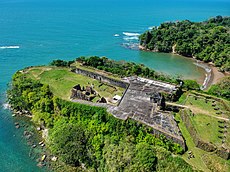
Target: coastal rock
(45, 133)
(17, 125)
(40, 164)
(43, 158)
(27, 134)
(42, 145)
(54, 158)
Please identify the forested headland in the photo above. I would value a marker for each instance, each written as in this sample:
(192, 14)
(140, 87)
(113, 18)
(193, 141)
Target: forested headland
(208, 41)
(88, 138)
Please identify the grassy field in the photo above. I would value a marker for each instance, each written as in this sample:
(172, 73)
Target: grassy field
(203, 160)
(61, 81)
(92, 69)
(207, 113)
(208, 128)
(209, 107)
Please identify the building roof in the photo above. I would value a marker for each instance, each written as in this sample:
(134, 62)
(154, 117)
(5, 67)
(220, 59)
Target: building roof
(117, 97)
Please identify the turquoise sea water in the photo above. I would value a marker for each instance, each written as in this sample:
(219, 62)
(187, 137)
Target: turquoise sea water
(34, 32)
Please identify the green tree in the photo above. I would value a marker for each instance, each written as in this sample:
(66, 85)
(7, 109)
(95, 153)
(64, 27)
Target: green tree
(145, 158)
(190, 85)
(69, 142)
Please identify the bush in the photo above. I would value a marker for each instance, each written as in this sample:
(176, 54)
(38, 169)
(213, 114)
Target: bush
(190, 85)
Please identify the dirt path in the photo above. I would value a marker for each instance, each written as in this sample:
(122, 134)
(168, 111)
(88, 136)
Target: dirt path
(204, 112)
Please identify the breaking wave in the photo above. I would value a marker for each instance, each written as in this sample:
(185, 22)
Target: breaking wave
(205, 67)
(116, 35)
(130, 34)
(130, 38)
(10, 47)
(6, 106)
(151, 27)
(208, 74)
(133, 46)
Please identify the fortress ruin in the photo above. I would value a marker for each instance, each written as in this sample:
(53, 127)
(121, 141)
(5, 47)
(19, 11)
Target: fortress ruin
(143, 100)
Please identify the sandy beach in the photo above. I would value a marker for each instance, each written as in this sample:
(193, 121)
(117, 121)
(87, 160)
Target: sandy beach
(216, 76)
(212, 74)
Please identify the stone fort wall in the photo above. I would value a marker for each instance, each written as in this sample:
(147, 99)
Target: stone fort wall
(177, 140)
(220, 151)
(102, 78)
(157, 132)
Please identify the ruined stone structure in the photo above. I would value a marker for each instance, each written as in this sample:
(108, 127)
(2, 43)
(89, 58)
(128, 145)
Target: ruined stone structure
(143, 101)
(209, 147)
(83, 93)
(101, 78)
(87, 94)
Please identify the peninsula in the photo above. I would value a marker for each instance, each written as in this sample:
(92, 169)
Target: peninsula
(99, 114)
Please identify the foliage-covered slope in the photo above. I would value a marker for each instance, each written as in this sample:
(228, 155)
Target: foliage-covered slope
(221, 89)
(86, 136)
(208, 41)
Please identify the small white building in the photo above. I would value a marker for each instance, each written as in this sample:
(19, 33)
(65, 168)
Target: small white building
(116, 98)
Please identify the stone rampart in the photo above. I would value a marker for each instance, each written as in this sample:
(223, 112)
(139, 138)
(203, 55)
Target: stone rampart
(226, 106)
(174, 139)
(222, 152)
(136, 99)
(101, 78)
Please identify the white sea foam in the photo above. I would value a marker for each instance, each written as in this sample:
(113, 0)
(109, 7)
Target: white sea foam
(116, 35)
(151, 27)
(208, 74)
(130, 38)
(206, 80)
(133, 46)
(10, 47)
(204, 66)
(6, 106)
(130, 34)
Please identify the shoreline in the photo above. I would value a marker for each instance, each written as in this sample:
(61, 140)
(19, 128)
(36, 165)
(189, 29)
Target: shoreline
(216, 75)
(212, 74)
(206, 82)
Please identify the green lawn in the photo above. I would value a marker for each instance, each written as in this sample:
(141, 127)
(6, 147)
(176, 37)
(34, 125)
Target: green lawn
(206, 118)
(196, 162)
(61, 81)
(208, 128)
(92, 69)
(203, 160)
(207, 106)
(182, 99)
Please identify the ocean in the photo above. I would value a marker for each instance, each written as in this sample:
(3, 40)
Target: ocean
(35, 32)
